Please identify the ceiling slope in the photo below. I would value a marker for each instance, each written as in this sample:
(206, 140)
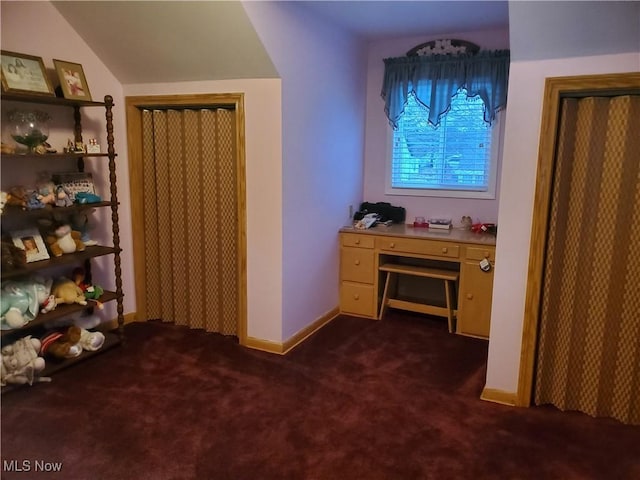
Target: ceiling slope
(170, 41)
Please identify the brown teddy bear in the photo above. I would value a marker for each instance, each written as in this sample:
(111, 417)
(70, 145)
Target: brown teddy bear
(71, 343)
(62, 344)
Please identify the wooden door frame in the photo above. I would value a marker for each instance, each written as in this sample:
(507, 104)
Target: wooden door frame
(134, 107)
(555, 89)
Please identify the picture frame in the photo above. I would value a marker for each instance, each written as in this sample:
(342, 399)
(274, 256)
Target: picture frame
(32, 243)
(73, 83)
(24, 74)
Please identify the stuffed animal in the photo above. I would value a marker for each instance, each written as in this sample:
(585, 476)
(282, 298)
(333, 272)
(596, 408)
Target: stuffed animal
(46, 189)
(66, 291)
(17, 197)
(21, 362)
(12, 257)
(91, 341)
(62, 345)
(46, 300)
(64, 240)
(18, 303)
(71, 343)
(33, 201)
(47, 304)
(86, 197)
(91, 292)
(63, 197)
(80, 223)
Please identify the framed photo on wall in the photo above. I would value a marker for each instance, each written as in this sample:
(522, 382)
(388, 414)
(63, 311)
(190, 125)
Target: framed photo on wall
(72, 80)
(23, 73)
(31, 242)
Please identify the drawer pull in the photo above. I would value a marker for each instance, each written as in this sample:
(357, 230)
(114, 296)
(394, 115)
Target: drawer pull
(445, 249)
(357, 262)
(469, 296)
(486, 254)
(356, 296)
(357, 242)
(392, 245)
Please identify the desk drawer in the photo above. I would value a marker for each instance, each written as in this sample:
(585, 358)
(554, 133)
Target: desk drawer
(356, 298)
(356, 264)
(419, 246)
(357, 240)
(478, 253)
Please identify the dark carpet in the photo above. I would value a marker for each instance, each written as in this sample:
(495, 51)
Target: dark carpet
(396, 399)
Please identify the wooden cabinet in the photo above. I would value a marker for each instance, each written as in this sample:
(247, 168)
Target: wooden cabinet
(106, 167)
(357, 274)
(476, 290)
(363, 252)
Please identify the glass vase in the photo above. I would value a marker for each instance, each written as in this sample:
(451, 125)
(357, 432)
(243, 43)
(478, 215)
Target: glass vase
(29, 127)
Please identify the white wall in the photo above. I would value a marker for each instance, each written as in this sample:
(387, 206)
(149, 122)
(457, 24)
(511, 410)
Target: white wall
(378, 130)
(263, 134)
(37, 28)
(524, 109)
(323, 74)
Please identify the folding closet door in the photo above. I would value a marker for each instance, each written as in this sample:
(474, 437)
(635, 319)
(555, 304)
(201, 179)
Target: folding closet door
(588, 353)
(190, 204)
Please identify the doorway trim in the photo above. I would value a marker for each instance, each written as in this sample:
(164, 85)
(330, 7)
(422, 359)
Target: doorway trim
(134, 106)
(555, 89)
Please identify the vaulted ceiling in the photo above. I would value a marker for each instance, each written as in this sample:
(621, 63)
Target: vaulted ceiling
(174, 41)
(170, 41)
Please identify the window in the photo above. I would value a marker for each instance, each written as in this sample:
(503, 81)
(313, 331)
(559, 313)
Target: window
(456, 159)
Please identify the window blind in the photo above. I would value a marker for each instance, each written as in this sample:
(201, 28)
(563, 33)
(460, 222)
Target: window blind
(455, 155)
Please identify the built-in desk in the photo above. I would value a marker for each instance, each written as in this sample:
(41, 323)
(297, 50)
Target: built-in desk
(363, 251)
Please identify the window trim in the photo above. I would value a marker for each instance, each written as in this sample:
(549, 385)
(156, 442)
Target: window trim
(497, 135)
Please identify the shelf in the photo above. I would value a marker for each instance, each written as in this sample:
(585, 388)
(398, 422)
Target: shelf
(49, 100)
(53, 365)
(66, 259)
(53, 156)
(20, 161)
(59, 312)
(12, 212)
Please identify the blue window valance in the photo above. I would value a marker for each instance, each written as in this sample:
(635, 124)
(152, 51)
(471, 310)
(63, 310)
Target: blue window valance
(434, 80)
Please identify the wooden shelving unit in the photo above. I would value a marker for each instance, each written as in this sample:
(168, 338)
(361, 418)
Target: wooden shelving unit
(39, 324)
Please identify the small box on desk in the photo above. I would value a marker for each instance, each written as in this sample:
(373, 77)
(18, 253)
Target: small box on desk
(439, 224)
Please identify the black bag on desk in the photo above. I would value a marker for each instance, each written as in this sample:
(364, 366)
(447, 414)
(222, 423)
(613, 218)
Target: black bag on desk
(384, 209)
